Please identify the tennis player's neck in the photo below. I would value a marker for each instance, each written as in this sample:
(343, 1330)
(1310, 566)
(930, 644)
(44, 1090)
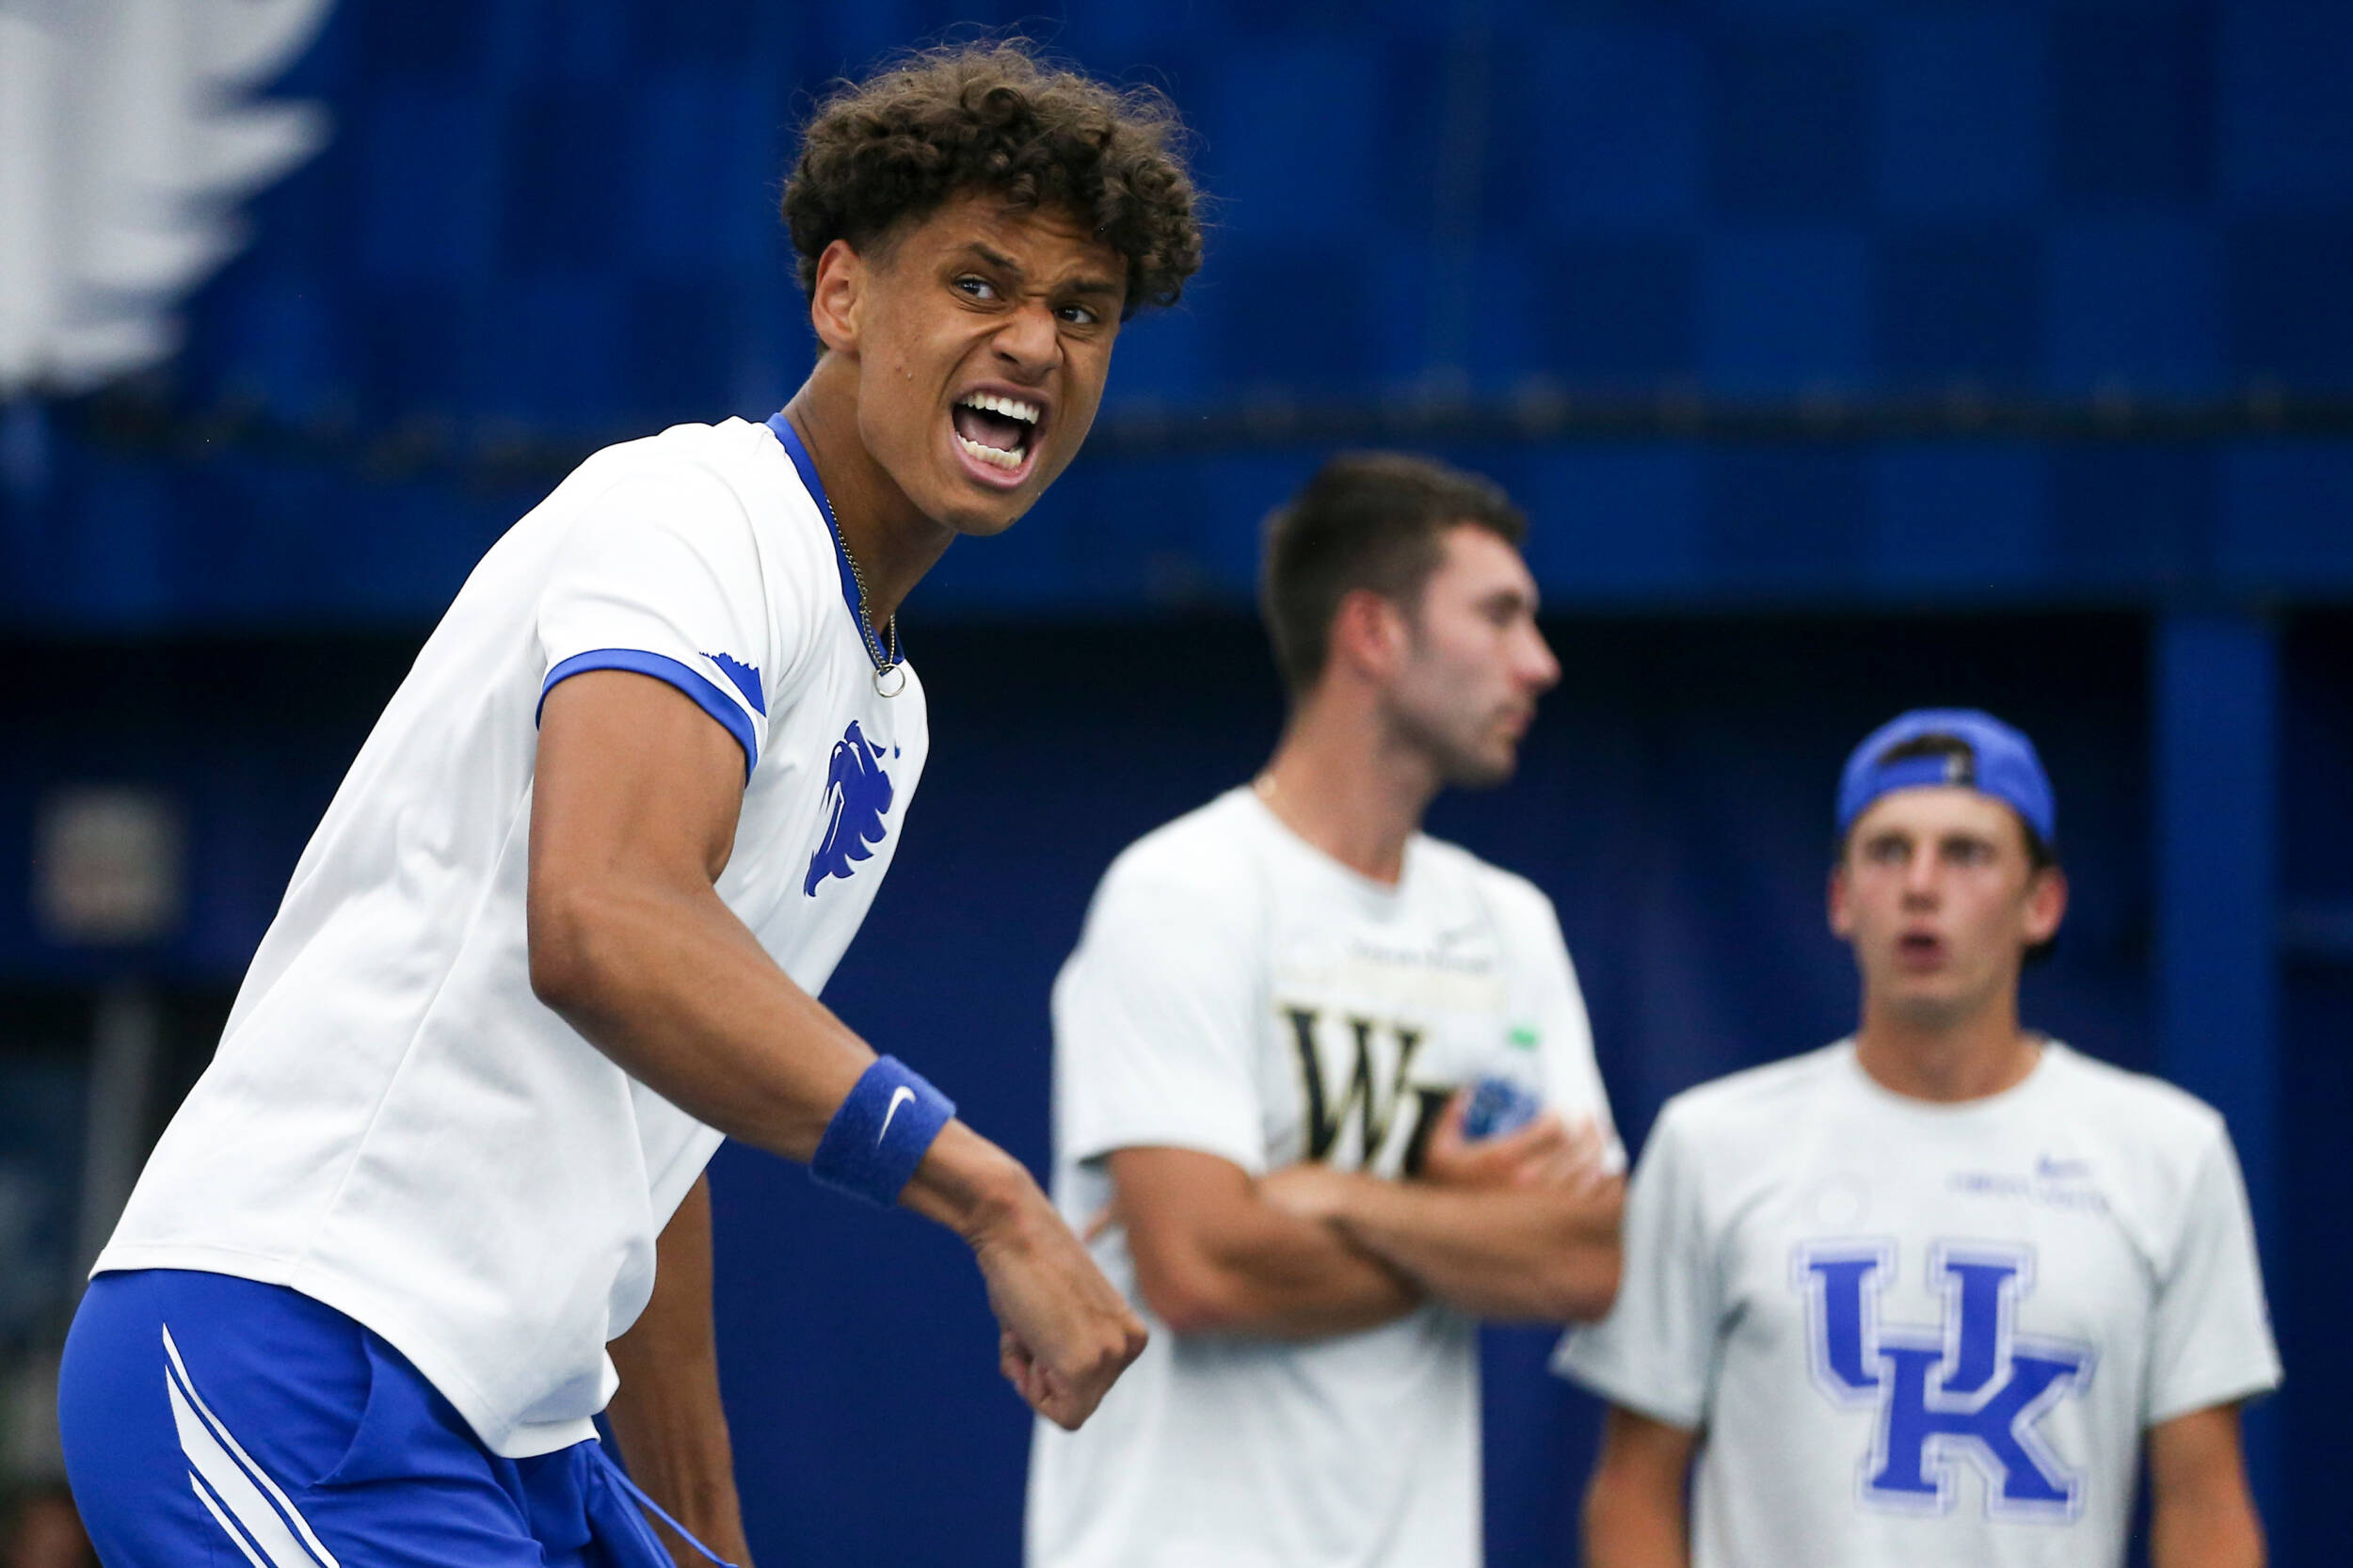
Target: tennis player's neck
(1327, 787)
(1950, 1060)
(892, 542)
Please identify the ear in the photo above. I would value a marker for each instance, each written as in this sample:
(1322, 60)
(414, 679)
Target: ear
(2046, 904)
(1841, 912)
(835, 303)
(1367, 635)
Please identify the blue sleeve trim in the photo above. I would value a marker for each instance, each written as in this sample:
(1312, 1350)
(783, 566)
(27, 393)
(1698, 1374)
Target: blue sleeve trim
(706, 691)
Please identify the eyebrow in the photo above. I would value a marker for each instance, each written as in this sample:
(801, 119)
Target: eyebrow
(1936, 838)
(1003, 262)
(995, 258)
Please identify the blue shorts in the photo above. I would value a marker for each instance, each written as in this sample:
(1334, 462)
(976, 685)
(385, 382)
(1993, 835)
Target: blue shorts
(217, 1421)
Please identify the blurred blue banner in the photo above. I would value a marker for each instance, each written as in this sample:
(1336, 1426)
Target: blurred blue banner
(2102, 248)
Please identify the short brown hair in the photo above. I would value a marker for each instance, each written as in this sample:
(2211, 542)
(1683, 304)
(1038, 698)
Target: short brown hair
(1374, 521)
(995, 117)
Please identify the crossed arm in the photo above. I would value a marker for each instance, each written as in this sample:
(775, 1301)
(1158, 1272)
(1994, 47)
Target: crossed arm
(1521, 1226)
(2199, 1514)
(1213, 1256)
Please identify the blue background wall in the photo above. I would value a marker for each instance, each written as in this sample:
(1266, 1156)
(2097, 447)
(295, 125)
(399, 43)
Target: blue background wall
(1674, 799)
(1849, 356)
(542, 225)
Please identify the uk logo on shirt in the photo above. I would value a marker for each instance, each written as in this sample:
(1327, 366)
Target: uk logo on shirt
(857, 801)
(1968, 1389)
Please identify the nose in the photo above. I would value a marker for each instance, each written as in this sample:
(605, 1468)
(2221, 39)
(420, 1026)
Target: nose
(1539, 667)
(1029, 343)
(1920, 878)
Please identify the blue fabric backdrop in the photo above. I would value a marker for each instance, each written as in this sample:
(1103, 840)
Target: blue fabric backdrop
(1674, 800)
(542, 223)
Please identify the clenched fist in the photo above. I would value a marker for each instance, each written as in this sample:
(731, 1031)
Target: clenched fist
(1067, 1335)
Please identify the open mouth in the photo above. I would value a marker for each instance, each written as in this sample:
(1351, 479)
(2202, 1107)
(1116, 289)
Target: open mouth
(1920, 949)
(995, 430)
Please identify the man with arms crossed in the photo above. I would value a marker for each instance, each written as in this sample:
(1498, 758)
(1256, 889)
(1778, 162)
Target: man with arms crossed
(526, 977)
(1923, 1296)
(1261, 1049)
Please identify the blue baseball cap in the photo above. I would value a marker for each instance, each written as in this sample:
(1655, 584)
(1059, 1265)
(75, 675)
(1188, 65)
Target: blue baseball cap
(2001, 762)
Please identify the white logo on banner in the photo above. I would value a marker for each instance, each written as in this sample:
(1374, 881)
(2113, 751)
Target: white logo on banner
(128, 133)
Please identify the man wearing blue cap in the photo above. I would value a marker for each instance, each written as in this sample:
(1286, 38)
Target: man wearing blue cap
(1926, 1295)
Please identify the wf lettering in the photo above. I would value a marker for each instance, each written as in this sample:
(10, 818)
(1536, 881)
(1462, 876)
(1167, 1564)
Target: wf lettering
(1970, 1388)
(1365, 1092)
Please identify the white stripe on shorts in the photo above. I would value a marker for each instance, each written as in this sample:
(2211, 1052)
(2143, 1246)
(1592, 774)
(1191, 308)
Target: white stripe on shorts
(223, 1520)
(222, 1467)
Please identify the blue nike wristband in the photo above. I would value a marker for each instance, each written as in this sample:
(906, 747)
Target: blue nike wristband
(880, 1133)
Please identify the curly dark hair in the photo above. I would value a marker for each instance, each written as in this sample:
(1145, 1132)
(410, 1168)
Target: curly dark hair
(995, 117)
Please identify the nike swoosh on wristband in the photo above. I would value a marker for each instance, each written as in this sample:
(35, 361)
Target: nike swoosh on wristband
(899, 1097)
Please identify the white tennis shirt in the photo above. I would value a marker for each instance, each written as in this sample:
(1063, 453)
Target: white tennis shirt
(394, 1125)
(1240, 993)
(1924, 1334)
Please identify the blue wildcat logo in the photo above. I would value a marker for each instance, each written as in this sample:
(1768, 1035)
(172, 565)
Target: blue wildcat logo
(857, 796)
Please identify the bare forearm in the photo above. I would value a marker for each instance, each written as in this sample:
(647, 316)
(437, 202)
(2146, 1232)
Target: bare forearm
(1213, 1256)
(2184, 1535)
(666, 1417)
(1634, 1504)
(2211, 1524)
(685, 1472)
(1282, 1278)
(2201, 1514)
(1549, 1254)
(1628, 1527)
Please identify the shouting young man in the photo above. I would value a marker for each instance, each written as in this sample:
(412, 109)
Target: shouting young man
(1264, 1053)
(1931, 1294)
(562, 927)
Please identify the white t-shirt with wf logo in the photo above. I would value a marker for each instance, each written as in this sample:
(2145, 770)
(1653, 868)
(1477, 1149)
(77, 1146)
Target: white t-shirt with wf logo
(1922, 1334)
(1239, 993)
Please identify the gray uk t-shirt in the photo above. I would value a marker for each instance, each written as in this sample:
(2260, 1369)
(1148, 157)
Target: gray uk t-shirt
(1926, 1334)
